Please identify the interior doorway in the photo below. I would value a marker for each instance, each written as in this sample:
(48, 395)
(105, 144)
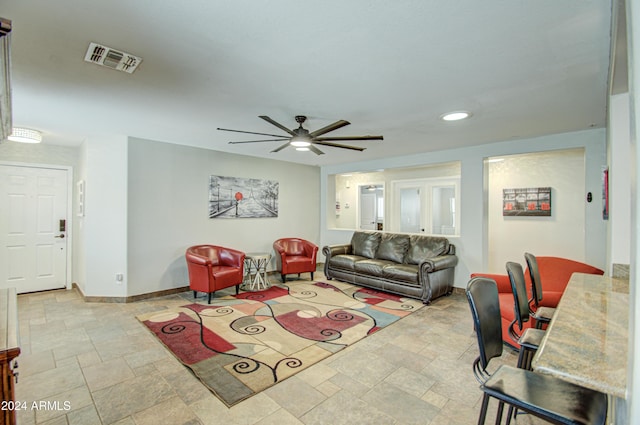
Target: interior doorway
(371, 207)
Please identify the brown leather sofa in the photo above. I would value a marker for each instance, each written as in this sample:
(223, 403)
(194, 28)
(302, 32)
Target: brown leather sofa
(555, 273)
(212, 268)
(414, 266)
(295, 256)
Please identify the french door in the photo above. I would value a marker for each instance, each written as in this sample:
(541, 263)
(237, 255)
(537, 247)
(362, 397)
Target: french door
(427, 206)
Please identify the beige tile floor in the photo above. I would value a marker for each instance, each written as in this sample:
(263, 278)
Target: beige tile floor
(94, 363)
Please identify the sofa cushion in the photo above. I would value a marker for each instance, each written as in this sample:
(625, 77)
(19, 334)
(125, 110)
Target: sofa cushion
(423, 247)
(345, 262)
(365, 244)
(393, 247)
(371, 267)
(407, 273)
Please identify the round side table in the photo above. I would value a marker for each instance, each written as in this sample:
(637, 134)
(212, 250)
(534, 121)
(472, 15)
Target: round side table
(255, 264)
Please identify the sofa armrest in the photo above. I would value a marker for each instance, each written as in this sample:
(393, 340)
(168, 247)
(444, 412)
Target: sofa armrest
(440, 262)
(502, 280)
(331, 250)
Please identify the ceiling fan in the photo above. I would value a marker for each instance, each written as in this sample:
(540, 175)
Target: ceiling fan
(302, 139)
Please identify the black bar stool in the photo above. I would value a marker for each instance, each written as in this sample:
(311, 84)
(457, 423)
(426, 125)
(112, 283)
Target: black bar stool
(546, 397)
(529, 339)
(542, 315)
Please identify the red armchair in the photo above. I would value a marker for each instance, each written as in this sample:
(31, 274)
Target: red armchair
(294, 255)
(214, 267)
(555, 273)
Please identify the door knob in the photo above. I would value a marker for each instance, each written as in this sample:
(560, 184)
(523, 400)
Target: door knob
(61, 236)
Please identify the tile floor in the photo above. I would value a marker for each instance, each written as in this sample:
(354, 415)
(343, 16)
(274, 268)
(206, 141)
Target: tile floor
(94, 363)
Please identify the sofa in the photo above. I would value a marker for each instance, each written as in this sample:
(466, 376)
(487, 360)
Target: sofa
(555, 273)
(414, 266)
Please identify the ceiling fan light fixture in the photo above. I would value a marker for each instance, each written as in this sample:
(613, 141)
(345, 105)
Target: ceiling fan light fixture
(299, 143)
(302, 149)
(455, 116)
(25, 135)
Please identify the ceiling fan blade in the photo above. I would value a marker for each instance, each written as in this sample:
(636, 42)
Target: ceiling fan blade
(256, 141)
(277, 124)
(278, 149)
(336, 125)
(251, 132)
(315, 150)
(338, 138)
(335, 145)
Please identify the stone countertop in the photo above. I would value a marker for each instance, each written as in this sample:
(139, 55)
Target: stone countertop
(587, 340)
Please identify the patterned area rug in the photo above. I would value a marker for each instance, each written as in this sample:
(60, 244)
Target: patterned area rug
(240, 345)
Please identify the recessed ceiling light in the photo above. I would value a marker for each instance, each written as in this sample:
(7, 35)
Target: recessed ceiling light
(455, 116)
(25, 135)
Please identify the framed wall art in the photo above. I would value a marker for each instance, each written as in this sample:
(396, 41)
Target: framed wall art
(532, 201)
(237, 197)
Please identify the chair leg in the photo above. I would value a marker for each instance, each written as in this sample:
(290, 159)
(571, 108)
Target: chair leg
(195, 294)
(499, 413)
(237, 289)
(511, 414)
(284, 277)
(209, 301)
(483, 409)
(521, 358)
(311, 275)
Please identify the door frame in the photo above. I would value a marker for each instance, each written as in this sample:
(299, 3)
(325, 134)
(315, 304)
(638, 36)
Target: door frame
(359, 207)
(70, 196)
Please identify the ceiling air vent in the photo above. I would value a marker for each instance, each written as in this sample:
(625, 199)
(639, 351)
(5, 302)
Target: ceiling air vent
(111, 58)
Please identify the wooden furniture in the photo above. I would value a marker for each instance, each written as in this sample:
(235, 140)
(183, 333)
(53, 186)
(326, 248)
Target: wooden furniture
(9, 350)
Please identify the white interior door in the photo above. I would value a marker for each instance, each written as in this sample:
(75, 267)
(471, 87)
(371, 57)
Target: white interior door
(368, 211)
(33, 228)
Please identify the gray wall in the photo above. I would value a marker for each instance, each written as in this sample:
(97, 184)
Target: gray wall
(168, 209)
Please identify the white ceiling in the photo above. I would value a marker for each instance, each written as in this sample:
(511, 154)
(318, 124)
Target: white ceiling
(523, 67)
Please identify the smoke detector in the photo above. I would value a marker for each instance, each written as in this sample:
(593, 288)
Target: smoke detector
(111, 58)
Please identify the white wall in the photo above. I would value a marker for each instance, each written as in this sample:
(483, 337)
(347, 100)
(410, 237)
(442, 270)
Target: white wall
(633, 382)
(562, 234)
(104, 227)
(619, 154)
(168, 209)
(472, 245)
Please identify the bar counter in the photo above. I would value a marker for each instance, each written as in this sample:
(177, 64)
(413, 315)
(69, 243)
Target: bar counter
(586, 341)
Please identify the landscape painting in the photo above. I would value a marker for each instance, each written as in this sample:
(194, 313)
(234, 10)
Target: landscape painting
(237, 197)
